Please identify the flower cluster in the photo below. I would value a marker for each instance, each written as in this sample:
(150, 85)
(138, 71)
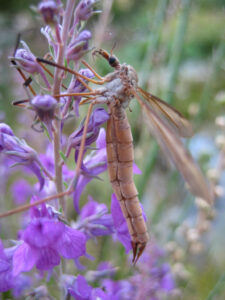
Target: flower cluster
(49, 238)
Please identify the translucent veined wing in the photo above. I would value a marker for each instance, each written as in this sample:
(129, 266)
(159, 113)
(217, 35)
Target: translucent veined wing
(173, 147)
(170, 115)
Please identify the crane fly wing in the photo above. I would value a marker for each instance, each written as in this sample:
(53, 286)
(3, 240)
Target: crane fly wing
(170, 115)
(172, 145)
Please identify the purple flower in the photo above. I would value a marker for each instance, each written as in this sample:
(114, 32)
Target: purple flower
(94, 220)
(18, 151)
(45, 106)
(27, 61)
(118, 290)
(120, 224)
(79, 46)
(98, 117)
(154, 277)
(84, 10)
(104, 269)
(95, 163)
(4, 128)
(7, 280)
(6, 277)
(81, 290)
(76, 87)
(49, 10)
(21, 191)
(46, 239)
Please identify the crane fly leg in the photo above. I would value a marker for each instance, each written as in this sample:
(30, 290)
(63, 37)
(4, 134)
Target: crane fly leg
(92, 70)
(79, 76)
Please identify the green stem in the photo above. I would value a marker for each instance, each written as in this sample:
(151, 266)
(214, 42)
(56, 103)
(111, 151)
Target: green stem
(207, 91)
(153, 41)
(218, 288)
(177, 49)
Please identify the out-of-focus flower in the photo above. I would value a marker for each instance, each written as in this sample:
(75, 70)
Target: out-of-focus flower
(81, 290)
(8, 281)
(154, 277)
(49, 10)
(105, 269)
(78, 46)
(118, 290)
(84, 10)
(94, 220)
(18, 151)
(95, 163)
(21, 191)
(45, 106)
(45, 239)
(76, 87)
(26, 60)
(48, 162)
(6, 277)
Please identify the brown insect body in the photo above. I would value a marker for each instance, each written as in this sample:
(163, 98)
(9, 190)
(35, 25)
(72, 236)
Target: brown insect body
(120, 153)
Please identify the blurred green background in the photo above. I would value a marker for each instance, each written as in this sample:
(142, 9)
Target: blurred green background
(178, 50)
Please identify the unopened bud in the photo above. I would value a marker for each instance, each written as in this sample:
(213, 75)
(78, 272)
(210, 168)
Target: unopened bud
(220, 121)
(220, 141)
(192, 235)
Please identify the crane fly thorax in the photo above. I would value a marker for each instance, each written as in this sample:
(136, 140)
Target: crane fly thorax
(120, 84)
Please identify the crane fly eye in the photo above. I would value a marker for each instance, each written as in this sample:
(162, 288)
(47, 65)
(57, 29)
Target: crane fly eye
(112, 60)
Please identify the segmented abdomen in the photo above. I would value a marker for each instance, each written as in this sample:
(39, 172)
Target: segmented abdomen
(120, 157)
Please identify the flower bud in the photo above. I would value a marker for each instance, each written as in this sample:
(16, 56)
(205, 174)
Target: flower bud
(49, 11)
(26, 61)
(84, 10)
(4, 128)
(45, 105)
(21, 154)
(79, 46)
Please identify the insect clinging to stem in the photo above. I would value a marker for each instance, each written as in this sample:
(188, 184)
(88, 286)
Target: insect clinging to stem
(167, 124)
(116, 90)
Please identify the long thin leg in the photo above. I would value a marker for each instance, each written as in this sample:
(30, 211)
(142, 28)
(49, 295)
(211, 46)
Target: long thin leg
(70, 71)
(77, 94)
(82, 145)
(92, 70)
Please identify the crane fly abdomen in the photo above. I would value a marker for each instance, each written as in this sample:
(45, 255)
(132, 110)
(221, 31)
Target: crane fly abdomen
(120, 157)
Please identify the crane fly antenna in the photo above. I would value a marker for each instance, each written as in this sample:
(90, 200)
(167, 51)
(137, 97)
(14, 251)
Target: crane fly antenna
(113, 47)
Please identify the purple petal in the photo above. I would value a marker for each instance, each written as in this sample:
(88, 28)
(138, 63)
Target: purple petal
(36, 170)
(41, 233)
(48, 259)
(136, 170)
(24, 259)
(21, 190)
(120, 224)
(81, 289)
(72, 243)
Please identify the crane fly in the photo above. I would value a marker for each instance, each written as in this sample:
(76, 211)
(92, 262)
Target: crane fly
(167, 125)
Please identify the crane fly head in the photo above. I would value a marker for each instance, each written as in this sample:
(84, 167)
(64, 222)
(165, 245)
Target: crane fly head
(112, 59)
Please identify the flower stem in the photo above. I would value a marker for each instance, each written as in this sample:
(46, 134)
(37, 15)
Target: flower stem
(56, 90)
